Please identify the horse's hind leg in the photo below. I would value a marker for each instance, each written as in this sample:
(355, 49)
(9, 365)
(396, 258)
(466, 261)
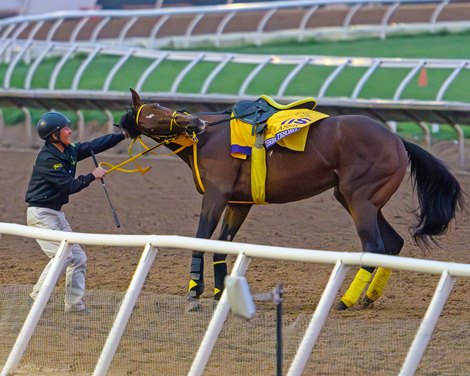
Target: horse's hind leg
(363, 276)
(393, 243)
(377, 236)
(365, 216)
(235, 215)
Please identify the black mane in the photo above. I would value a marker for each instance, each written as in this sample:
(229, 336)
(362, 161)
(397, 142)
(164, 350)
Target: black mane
(127, 122)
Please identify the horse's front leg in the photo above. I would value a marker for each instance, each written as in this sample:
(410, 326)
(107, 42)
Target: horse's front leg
(235, 215)
(213, 204)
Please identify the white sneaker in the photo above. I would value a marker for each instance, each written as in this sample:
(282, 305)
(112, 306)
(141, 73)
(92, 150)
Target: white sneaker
(76, 308)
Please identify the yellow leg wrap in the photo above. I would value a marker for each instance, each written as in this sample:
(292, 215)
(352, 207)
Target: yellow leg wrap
(216, 290)
(192, 284)
(358, 285)
(378, 283)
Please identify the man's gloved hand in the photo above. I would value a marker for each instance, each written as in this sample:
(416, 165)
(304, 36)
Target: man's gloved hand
(119, 129)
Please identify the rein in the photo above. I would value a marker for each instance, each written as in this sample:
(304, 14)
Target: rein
(175, 113)
(132, 158)
(224, 120)
(184, 144)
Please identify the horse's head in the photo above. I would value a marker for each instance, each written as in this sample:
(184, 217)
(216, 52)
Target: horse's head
(157, 121)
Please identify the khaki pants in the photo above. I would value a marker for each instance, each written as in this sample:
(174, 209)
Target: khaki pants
(75, 266)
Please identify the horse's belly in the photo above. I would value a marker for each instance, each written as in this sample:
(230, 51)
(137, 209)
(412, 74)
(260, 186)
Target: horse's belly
(294, 187)
(291, 178)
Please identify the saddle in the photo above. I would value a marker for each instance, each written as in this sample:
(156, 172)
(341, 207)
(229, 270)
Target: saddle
(259, 111)
(284, 120)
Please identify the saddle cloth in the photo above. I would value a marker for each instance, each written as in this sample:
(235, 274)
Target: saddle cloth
(263, 123)
(293, 123)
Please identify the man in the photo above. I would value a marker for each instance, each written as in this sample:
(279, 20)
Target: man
(51, 183)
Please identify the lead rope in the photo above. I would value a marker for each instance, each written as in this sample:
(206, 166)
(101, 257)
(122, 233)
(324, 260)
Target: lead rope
(132, 158)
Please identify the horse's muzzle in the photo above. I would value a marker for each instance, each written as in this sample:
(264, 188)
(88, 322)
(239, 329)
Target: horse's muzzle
(203, 127)
(199, 126)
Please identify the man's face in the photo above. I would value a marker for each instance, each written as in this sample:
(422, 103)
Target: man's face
(66, 136)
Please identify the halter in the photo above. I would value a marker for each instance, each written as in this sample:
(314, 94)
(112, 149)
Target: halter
(173, 122)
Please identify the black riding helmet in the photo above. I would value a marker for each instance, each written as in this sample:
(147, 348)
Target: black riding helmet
(50, 123)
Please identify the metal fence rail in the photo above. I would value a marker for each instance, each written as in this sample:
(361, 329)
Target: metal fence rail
(244, 252)
(24, 81)
(242, 23)
(290, 82)
(28, 45)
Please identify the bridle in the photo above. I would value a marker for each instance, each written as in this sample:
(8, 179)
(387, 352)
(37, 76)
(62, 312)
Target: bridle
(174, 128)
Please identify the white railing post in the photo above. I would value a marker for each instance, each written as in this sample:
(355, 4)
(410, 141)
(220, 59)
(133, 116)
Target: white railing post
(318, 319)
(217, 321)
(37, 308)
(125, 311)
(423, 336)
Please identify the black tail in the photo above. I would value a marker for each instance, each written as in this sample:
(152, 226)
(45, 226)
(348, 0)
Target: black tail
(439, 194)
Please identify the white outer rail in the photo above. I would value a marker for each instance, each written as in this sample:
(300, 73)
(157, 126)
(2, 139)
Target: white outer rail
(341, 260)
(40, 50)
(195, 15)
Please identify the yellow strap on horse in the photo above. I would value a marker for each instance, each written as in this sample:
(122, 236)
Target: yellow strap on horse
(138, 114)
(184, 142)
(165, 142)
(132, 158)
(200, 187)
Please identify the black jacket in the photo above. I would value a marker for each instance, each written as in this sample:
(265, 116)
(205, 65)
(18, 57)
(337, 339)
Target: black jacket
(53, 178)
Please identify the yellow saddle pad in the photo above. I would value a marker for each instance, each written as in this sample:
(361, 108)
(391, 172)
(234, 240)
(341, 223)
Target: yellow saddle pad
(287, 128)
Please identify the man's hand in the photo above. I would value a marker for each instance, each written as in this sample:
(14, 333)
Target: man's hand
(99, 172)
(119, 129)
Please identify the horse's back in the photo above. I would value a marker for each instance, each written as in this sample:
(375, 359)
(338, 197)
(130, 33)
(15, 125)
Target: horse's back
(348, 152)
(360, 138)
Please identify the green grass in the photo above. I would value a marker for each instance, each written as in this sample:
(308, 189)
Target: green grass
(440, 45)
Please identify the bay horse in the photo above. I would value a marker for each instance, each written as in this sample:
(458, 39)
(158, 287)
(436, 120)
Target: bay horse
(356, 156)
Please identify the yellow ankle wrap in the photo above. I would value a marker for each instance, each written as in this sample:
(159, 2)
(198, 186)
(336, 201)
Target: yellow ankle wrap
(378, 283)
(358, 285)
(192, 284)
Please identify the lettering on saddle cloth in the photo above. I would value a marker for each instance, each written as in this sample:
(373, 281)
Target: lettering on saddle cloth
(260, 124)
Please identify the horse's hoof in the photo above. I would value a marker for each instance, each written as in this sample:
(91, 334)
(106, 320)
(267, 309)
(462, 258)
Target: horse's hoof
(193, 306)
(367, 302)
(340, 306)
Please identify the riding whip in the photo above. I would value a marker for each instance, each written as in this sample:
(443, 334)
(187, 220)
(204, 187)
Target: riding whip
(116, 219)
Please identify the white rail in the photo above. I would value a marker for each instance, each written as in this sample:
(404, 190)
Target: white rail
(329, 69)
(38, 52)
(218, 23)
(245, 252)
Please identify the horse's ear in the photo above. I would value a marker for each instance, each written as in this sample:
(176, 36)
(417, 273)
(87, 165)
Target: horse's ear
(135, 99)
